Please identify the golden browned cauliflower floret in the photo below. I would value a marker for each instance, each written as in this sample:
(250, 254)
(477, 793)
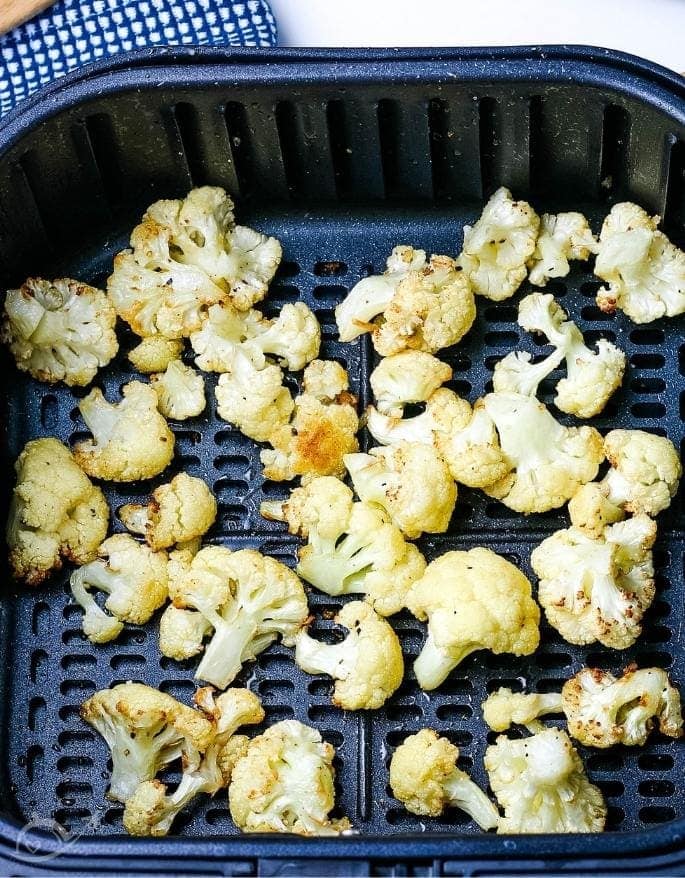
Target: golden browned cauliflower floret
(180, 391)
(597, 589)
(644, 271)
(498, 246)
(541, 784)
(133, 577)
(367, 665)
(407, 377)
(504, 708)
(322, 431)
(472, 600)
(61, 330)
(179, 511)
(131, 440)
(425, 778)
(603, 711)
(285, 783)
(410, 481)
(562, 237)
(56, 512)
(352, 547)
(155, 353)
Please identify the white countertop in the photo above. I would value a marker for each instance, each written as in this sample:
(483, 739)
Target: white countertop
(654, 29)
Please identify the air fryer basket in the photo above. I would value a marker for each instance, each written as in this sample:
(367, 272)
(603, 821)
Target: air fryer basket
(342, 156)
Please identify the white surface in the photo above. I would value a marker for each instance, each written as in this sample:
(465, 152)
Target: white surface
(654, 29)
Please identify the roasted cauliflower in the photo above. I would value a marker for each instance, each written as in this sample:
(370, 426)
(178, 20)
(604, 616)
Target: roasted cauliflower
(446, 415)
(407, 377)
(180, 391)
(155, 353)
(562, 237)
(504, 708)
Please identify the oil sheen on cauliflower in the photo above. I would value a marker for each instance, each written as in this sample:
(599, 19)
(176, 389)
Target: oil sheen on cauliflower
(133, 577)
(56, 512)
(504, 708)
(61, 330)
(498, 246)
(644, 271)
(425, 778)
(541, 784)
(597, 589)
(131, 439)
(246, 599)
(179, 511)
(180, 391)
(603, 711)
(285, 783)
(352, 547)
(367, 665)
(472, 600)
(186, 255)
(562, 237)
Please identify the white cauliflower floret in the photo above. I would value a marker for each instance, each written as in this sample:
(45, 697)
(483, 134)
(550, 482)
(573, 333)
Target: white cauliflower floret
(542, 786)
(367, 665)
(352, 547)
(425, 778)
(472, 600)
(285, 783)
(562, 237)
(179, 511)
(645, 272)
(322, 430)
(131, 440)
(446, 414)
(504, 708)
(473, 452)
(133, 577)
(597, 589)
(56, 512)
(145, 729)
(498, 246)
(603, 711)
(61, 330)
(372, 295)
(294, 337)
(155, 353)
(410, 481)
(222, 336)
(180, 391)
(410, 376)
(644, 477)
(592, 377)
(186, 255)
(247, 598)
(151, 810)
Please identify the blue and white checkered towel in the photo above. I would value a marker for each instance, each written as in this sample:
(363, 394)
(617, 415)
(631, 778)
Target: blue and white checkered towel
(74, 32)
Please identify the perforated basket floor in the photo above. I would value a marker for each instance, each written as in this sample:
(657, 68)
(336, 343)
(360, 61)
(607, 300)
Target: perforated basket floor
(53, 765)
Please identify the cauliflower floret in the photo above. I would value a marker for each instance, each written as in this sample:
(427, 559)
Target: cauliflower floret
(425, 778)
(180, 391)
(603, 711)
(155, 353)
(591, 377)
(410, 376)
(473, 452)
(504, 708)
(186, 255)
(247, 598)
(645, 272)
(145, 729)
(410, 481)
(446, 414)
(352, 547)
(562, 237)
(548, 462)
(542, 786)
(323, 428)
(150, 811)
(472, 600)
(644, 477)
(597, 589)
(179, 511)
(135, 580)
(294, 337)
(61, 330)
(372, 295)
(131, 440)
(367, 665)
(498, 246)
(56, 512)
(284, 783)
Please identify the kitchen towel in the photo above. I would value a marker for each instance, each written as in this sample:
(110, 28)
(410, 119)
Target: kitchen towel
(75, 32)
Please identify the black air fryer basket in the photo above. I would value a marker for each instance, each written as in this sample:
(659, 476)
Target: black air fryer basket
(342, 155)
